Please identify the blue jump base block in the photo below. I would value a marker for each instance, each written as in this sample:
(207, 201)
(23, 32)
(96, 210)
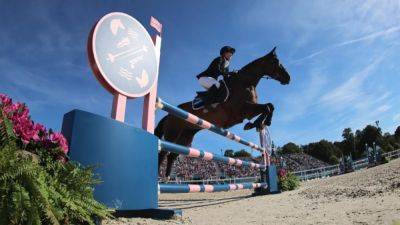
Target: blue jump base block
(126, 158)
(271, 178)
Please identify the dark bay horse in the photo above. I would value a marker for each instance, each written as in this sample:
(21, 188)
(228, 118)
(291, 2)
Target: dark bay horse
(241, 104)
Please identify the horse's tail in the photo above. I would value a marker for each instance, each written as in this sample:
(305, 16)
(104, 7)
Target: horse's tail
(159, 131)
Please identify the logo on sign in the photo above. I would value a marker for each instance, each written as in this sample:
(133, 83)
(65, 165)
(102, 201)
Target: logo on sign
(122, 55)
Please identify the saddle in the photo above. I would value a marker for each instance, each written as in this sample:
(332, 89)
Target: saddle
(202, 100)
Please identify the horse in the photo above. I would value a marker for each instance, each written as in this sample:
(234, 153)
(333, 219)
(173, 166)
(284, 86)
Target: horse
(241, 104)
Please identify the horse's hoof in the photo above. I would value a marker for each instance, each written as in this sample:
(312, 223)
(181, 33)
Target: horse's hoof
(271, 107)
(248, 126)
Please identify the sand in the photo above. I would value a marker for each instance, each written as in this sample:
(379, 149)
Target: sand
(368, 196)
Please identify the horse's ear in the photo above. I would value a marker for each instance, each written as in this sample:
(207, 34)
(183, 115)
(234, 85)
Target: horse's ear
(272, 52)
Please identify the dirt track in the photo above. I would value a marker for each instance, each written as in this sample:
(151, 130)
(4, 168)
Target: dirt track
(369, 196)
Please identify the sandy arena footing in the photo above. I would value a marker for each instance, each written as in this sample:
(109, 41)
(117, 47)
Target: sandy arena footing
(369, 196)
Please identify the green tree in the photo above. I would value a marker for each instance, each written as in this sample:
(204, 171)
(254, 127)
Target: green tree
(372, 134)
(229, 153)
(290, 148)
(242, 153)
(360, 145)
(397, 133)
(323, 150)
(348, 144)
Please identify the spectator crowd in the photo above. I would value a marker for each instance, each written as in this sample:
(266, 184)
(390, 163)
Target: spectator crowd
(186, 168)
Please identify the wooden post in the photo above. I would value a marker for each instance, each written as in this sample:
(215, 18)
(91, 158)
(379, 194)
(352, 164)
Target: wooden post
(118, 107)
(149, 105)
(263, 143)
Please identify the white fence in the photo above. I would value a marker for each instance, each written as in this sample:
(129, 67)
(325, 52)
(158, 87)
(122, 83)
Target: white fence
(335, 170)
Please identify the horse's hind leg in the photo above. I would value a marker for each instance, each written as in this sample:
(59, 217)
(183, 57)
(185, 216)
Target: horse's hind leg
(170, 160)
(161, 156)
(185, 139)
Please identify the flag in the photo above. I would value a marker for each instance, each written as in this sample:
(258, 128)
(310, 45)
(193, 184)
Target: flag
(156, 24)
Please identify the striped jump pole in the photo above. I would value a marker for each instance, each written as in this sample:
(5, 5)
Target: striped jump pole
(161, 104)
(190, 188)
(195, 153)
(268, 176)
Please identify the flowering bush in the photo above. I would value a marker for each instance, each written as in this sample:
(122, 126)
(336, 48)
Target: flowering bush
(282, 172)
(287, 181)
(31, 136)
(35, 188)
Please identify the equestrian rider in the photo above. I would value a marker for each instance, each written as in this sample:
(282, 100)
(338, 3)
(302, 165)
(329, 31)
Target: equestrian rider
(208, 79)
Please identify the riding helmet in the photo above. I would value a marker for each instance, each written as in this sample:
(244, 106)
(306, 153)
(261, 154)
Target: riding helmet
(227, 49)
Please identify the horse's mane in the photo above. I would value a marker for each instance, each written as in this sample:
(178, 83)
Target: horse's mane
(250, 72)
(250, 66)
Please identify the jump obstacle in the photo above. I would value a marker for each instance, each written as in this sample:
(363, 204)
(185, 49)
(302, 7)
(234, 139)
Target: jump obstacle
(195, 153)
(173, 110)
(127, 156)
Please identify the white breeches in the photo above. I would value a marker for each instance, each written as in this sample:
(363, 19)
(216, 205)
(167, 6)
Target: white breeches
(207, 82)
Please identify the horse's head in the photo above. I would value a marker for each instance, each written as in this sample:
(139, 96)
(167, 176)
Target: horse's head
(274, 69)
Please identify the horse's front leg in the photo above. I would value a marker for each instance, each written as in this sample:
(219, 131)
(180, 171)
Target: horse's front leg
(266, 111)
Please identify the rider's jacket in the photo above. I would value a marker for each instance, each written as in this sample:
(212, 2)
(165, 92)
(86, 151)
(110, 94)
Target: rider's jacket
(219, 66)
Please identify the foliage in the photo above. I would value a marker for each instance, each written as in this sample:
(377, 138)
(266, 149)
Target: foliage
(34, 187)
(322, 150)
(353, 144)
(348, 143)
(287, 180)
(371, 135)
(384, 160)
(290, 148)
(28, 135)
(241, 153)
(397, 133)
(229, 153)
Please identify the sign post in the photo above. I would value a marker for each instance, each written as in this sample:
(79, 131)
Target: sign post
(125, 61)
(149, 107)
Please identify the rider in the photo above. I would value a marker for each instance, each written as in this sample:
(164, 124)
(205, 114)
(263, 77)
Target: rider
(208, 79)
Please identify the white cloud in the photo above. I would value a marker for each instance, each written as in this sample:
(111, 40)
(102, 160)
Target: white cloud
(351, 91)
(302, 101)
(47, 89)
(384, 108)
(369, 37)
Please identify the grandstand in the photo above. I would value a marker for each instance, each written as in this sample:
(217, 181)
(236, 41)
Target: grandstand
(186, 168)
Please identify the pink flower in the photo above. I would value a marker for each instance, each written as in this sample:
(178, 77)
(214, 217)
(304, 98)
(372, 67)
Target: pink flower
(58, 138)
(41, 130)
(25, 129)
(282, 173)
(5, 100)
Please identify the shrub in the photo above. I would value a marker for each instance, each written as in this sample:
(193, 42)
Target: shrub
(384, 160)
(287, 180)
(37, 183)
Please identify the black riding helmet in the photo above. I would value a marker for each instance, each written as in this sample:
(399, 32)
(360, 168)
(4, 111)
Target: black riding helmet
(227, 49)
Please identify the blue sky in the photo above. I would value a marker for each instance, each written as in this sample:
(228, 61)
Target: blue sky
(343, 57)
